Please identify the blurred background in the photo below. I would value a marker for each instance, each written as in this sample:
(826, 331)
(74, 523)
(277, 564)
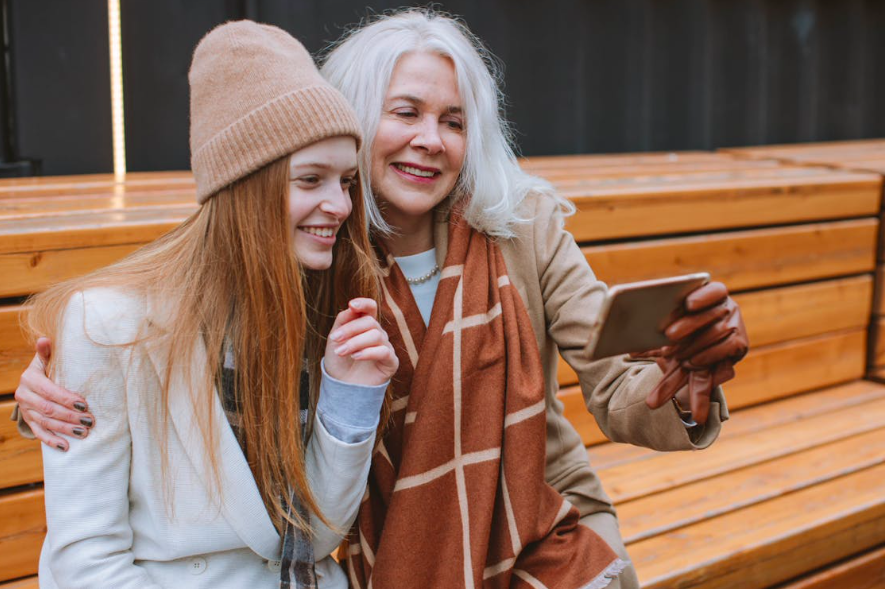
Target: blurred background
(581, 76)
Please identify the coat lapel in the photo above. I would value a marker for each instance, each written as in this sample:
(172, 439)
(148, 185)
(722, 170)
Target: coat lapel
(241, 502)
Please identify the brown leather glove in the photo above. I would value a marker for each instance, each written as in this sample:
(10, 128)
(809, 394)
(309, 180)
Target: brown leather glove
(707, 341)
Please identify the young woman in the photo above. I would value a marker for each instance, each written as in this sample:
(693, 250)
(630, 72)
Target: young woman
(483, 288)
(202, 356)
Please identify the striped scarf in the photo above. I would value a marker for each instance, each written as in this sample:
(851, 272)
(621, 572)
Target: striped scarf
(456, 495)
(297, 570)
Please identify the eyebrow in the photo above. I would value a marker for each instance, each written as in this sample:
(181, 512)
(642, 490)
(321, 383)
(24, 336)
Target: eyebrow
(320, 165)
(453, 110)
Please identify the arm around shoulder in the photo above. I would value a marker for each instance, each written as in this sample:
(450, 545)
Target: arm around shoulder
(89, 539)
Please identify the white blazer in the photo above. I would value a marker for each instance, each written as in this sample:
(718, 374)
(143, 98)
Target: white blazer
(113, 521)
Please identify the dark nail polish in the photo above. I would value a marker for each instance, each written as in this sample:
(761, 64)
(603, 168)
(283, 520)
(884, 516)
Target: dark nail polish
(61, 447)
(79, 432)
(81, 407)
(87, 421)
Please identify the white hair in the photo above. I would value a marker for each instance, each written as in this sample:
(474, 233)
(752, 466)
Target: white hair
(361, 64)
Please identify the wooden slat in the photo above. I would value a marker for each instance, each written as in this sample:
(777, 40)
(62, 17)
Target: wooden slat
(679, 507)
(21, 461)
(780, 370)
(746, 259)
(775, 371)
(31, 272)
(866, 571)
(88, 229)
(781, 314)
(637, 211)
(27, 583)
(627, 482)
(771, 542)
(546, 162)
(769, 416)
(565, 173)
(54, 185)
(879, 291)
(22, 529)
(15, 353)
(877, 352)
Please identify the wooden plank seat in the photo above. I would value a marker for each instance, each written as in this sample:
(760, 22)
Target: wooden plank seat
(867, 155)
(797, 244)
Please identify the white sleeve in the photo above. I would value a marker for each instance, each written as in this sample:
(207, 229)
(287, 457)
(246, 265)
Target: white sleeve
(337, 472)
(89, 540)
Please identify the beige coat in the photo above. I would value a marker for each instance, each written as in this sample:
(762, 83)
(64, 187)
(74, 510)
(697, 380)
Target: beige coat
(563, 299)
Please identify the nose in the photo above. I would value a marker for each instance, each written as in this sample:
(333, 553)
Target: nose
(336, 202)
(427, 136)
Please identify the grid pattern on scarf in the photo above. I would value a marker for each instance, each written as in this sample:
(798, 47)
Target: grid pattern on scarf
(297, 563)
(456, 495)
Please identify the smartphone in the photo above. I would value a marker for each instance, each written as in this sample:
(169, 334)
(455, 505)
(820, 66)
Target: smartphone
(635, 315)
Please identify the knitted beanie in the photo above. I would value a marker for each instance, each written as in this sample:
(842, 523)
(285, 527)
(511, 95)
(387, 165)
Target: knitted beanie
(256, 96)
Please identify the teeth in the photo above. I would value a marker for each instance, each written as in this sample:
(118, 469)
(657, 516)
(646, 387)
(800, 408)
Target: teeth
(415, 171)
(321, 231)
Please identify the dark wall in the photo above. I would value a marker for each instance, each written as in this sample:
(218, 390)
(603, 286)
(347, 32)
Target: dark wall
(61, 92)
(582, 76)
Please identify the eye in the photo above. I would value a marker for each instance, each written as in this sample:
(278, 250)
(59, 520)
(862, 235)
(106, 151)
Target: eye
(348, 182)
(307, 181)
(455, 124)
(406, 113)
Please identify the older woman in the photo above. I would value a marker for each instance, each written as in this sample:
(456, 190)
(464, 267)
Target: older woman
(480, 480)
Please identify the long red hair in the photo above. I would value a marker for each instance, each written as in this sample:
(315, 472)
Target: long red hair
(231, 270)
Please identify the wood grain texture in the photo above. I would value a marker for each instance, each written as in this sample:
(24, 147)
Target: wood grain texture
(780, 370)
(877, 348)
(879, 291)
(31, 272)
(26, 583)
(745, 259)
(88, 229)
(21, 461)
(866, 571)
(22, 529)
(15, 353)
(770, 542)
(675, 508)
(601, 215)
(769, 416)
(664, 471)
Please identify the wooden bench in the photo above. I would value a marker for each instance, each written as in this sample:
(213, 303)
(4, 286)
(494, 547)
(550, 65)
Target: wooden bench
(866, 156)
(52, 229)
(797, 480)
(764, 505)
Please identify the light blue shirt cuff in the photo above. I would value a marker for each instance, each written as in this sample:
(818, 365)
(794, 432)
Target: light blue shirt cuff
(350, 412)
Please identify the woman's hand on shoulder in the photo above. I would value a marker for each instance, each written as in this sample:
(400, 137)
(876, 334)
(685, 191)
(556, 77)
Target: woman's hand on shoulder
(48, 409)
(358, 350)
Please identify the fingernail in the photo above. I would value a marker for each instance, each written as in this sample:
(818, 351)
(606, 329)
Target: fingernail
(341, 350)
(356, 355)
(335, 336)
(87, 421)
(81, 407)
(61, 447)
(79, 432)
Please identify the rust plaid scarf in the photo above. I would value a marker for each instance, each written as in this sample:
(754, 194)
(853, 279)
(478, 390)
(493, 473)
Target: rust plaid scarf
(456, 495)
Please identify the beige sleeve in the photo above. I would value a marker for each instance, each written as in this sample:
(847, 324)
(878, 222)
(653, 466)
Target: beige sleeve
(24, 430)
(614, 389)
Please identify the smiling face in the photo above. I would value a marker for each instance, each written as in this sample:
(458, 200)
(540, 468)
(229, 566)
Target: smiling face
(320, 178)
(419, 148)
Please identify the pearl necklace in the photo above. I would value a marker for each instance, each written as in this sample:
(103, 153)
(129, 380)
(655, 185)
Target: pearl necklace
(424, 278)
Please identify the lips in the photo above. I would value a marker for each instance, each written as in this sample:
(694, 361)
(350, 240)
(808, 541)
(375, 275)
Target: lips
(320, 231)
(416, 170)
